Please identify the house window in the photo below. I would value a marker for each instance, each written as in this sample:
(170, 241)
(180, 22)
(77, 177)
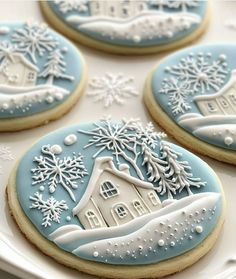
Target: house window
(211, 107)
(121, 211)
(233, 98)
(224, 103)
(108, 190)
(31, 76)
(153, 198)
(139, 207)
(93, 219)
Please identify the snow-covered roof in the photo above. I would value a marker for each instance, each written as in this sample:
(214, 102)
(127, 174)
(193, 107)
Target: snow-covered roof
(228, 85)
(22, 58)
(106, 164)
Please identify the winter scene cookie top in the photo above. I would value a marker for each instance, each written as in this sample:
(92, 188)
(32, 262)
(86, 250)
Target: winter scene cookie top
(118, 193)
(196, 87)
(39, 69)
(132, 23)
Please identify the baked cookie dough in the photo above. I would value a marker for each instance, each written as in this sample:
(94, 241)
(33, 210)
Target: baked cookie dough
(192, 95)
(116, 200)
(42, 75)
(129, 27)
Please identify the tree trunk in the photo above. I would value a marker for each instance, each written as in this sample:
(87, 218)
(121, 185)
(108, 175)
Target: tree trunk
(50, 79)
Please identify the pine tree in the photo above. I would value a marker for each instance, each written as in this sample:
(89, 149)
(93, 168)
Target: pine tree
(55, 67)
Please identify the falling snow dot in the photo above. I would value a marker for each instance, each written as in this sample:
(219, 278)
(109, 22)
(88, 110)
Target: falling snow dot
(161, 242)
(56, 149)
(95, 254)
(68, 218)
(228, 141)
(41, 188)
(199, 229)
(136, 39)
(70, 139)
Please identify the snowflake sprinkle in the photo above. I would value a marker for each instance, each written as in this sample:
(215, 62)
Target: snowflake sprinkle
(51, 208)
(72, 5)
(58, 171)
(112, 89)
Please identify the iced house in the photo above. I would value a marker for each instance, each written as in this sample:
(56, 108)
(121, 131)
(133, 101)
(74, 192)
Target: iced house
(120, 9)
(16, 70)
(221, 103)
(114, 197)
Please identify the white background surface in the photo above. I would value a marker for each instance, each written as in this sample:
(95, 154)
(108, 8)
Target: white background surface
(16, 254)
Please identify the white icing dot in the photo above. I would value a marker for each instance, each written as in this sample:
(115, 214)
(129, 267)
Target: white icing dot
(59, 96)
(49, 99)
(41, 188)
(5, 106)
(70, 139)
(223, 57)
(172, 244)
(68, 218)
(228, 141)
(199, 229)
(140, 248)
(136, 39)
(56, 149)
(161, 242)
(95, 254)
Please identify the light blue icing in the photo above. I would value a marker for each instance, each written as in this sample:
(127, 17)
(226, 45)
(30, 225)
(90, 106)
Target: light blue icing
(200, 10)
(161, 74)
(25, 189)
(73, 64)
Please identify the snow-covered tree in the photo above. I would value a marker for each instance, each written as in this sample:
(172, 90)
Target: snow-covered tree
(55, 67)
(66, 6)
(184, 4)
(160, 4)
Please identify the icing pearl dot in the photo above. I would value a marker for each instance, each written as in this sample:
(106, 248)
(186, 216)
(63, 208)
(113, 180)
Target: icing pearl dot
(70, 139)
(172, 244)
(59, 96)
(228, 141)
(49, 100)
(95, 254)
(161, 242)
(140, 248)
(199, 229)
(223, 57)
(41, 188)
(5, 106)
(56, 149)
(136, 39)
(68, 218)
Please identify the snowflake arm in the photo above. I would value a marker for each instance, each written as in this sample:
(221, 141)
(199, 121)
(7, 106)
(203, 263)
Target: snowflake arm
(51, 208)
(5, 153)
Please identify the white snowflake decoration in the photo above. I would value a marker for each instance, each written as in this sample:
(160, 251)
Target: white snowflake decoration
(34, 39)
(7, 49)
(129, 141)
(184, 4)
(112, 89)
(51, 208)
(58, 171)
(193, 74)
(5, 153)
(72, 5)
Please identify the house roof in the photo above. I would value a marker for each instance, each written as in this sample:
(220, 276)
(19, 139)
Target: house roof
(106, 164)
(229, 84)
(18, 56)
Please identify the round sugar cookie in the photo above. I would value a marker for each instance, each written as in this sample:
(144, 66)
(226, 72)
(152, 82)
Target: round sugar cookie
(129, 27)
(192, 95)
(116, 200)
(42, 75)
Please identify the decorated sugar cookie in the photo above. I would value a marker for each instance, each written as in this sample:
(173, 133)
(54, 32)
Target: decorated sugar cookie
(41, 75)
(129, 27)
(115, 199)
(192, 95)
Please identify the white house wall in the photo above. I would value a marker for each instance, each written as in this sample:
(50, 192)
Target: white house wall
(145, 196)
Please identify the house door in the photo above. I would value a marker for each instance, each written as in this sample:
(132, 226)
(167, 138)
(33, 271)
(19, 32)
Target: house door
(121, 214)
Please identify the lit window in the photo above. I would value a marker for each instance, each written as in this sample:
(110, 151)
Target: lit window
(108, 190)
(121, 211)
(93, 219)
(153, 198)
(31, 76)
(139, 207)
(211, 107)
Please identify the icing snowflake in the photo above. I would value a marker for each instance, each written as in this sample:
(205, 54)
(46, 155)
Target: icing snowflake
(72, 5)
(130, 141)
(5, 153)
(51, 208)
(112, 89)
(34, 38)
(184, 4)
(7, 49)
(57, 171)
(193, 74)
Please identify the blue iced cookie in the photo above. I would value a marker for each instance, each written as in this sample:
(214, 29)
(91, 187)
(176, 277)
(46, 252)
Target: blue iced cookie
(116, 200)
(42, 75)
(192, 95)
(129, 27)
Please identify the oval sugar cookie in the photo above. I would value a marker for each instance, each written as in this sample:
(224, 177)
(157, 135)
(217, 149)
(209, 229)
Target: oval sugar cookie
(42, 75)
(192, 95)
(116, 200)
(129, 27)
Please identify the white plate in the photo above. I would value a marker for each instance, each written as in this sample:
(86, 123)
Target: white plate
(17, 255)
